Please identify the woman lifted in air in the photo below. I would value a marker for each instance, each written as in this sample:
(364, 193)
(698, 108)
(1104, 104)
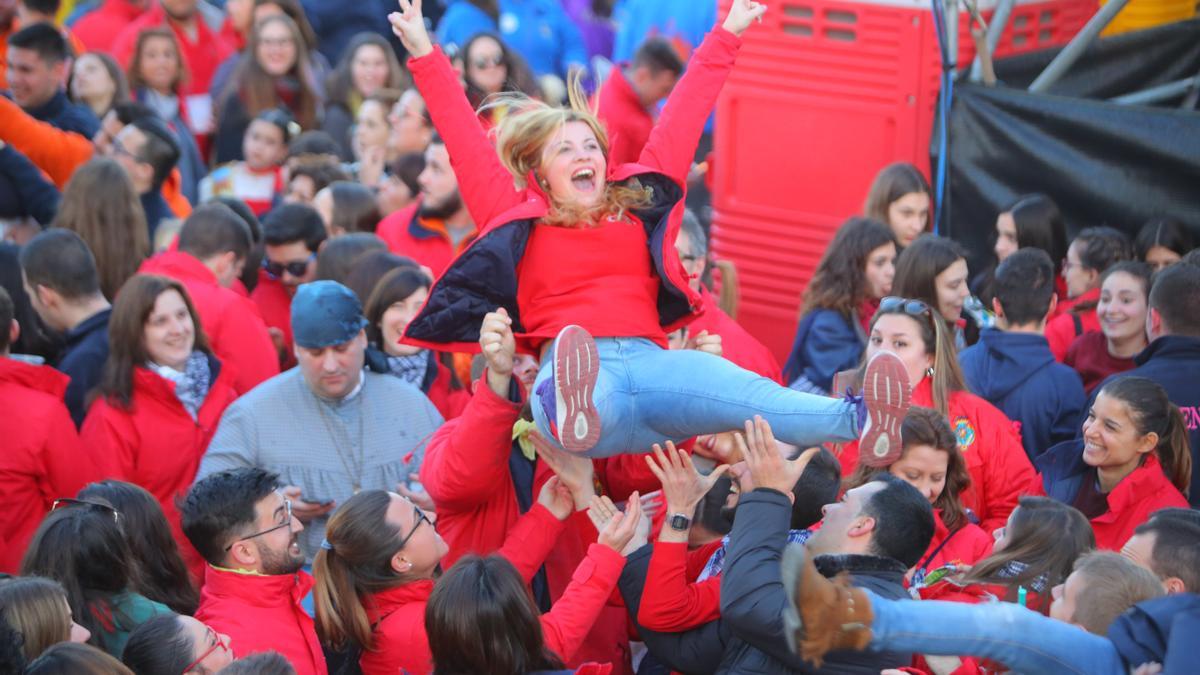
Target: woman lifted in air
(576, 262)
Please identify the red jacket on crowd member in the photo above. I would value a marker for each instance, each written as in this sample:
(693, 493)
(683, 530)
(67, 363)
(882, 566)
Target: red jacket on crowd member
(275, 307)
(737, 344)
(466, 472)
(449, 402)
(546, 276)
(234, 327)
(156, 444)
(673, 600)
(99, 28)
(398, 614)
(989, 442)
(627, 121)
(42, 458)
(202, 52)
(261, 613)
(423, 239)
(965, 546)
(1062, 330)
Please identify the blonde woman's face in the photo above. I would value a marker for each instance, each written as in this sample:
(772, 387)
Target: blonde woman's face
(574, 169)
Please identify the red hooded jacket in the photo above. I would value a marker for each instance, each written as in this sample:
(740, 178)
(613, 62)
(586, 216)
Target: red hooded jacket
(627, 121)
(275, 307)
(673, 600)
(409, 235)
(1000, 469)
(262, 613)
(42, 459)
(156, 444)
(467, 474)
(234, 327)
(398, 614)
(486, 274)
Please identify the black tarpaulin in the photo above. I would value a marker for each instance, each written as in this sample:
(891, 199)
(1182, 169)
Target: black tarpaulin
(1103, 163)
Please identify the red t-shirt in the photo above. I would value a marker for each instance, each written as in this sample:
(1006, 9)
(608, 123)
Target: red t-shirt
(577, 275)
(1089, 356)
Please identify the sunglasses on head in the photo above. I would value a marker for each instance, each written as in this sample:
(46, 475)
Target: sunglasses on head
(296, 268)
(65, 502)
(894, 303)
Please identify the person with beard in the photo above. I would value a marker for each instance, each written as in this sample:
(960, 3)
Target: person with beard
(436, 228)
(292, 233)
(242, 524)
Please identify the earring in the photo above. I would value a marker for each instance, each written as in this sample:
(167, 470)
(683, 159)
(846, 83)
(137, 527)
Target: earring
(929, 371)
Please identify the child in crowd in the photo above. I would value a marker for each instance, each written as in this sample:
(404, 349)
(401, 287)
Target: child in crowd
(258, 179)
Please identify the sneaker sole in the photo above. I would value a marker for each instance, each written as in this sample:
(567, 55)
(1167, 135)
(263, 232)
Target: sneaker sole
(576, 369)
(887, 395)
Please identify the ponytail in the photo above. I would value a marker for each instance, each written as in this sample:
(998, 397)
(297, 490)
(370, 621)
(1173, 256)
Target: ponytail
(1153, 413)
(354, 561)
(1174, 452)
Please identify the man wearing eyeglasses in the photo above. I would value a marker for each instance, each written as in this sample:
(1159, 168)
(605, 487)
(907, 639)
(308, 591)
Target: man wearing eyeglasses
(329, 428)
(293, 234)
(148, 152)
(244, 528)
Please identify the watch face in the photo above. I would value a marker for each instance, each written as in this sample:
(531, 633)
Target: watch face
(680, 522)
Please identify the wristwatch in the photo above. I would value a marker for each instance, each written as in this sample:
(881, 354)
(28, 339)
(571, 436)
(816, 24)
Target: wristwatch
(678, 521)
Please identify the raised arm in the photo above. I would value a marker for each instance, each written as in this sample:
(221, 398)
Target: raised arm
(673, 141)
(486, 186)
(53, 150)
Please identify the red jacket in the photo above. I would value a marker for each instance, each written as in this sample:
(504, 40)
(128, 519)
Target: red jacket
(262, 613)
(737, 344)
(628, 122)
(449, 402)
(156, 444)
(233, 324)
(485, 275)
(673, 601)
(275, 306)
(1000, 469)
(966, 546)
(201, 56)
(1061, 330)
(99, 28)
(409, 235)
(467, 474)
(398, 614)
(41, 460)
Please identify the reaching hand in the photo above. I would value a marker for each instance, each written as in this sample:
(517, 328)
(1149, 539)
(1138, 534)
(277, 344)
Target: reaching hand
(303, 510)
(557, 499)
(409, 25)
(618, 530)
(575, 471)
(704, 342)
(768, 468)
(741, 14)
(419, 497)
(497, 342)
(682, 485)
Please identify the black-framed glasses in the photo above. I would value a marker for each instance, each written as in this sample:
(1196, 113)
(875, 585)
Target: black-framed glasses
(894, 303)
(296, 268)
(419, 517)
(287, 522)
(65, 502)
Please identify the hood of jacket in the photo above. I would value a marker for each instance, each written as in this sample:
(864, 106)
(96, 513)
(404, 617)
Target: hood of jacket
(39, 378)
(1010, 360)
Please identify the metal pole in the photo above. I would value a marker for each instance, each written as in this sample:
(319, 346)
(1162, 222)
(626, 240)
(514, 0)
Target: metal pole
(1159, 93)
(995, 29)
(952, 31)
(1078, 44)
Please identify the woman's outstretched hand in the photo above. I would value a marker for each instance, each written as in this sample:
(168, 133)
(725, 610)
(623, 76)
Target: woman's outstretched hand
(741, 14)
(409, 25)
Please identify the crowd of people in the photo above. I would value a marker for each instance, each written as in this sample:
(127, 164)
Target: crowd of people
(356, 338)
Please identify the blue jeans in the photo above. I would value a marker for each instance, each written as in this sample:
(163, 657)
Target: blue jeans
(646, 394)
(1020, 638)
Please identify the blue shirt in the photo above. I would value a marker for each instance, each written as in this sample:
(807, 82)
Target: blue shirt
(66, 115)
(82, 359)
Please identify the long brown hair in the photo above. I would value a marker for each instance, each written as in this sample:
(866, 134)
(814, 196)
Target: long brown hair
(126, 333)
(1153, 413)
(891, 183)
(524, 132)
(939, 343)
(33, 606)
(919, 265)
(1045, 537)
(839, 283)
(481, 619)
(256, 89)
(340, 84)
(101, 206)
(923, 426)
(357, 563)
(135, 66)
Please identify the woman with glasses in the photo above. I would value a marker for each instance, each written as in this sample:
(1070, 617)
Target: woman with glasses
(490, 67)
(999, 468)
(81, 545)
(854, 273)
(175, 645)
(160, 397)
(381, 557)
